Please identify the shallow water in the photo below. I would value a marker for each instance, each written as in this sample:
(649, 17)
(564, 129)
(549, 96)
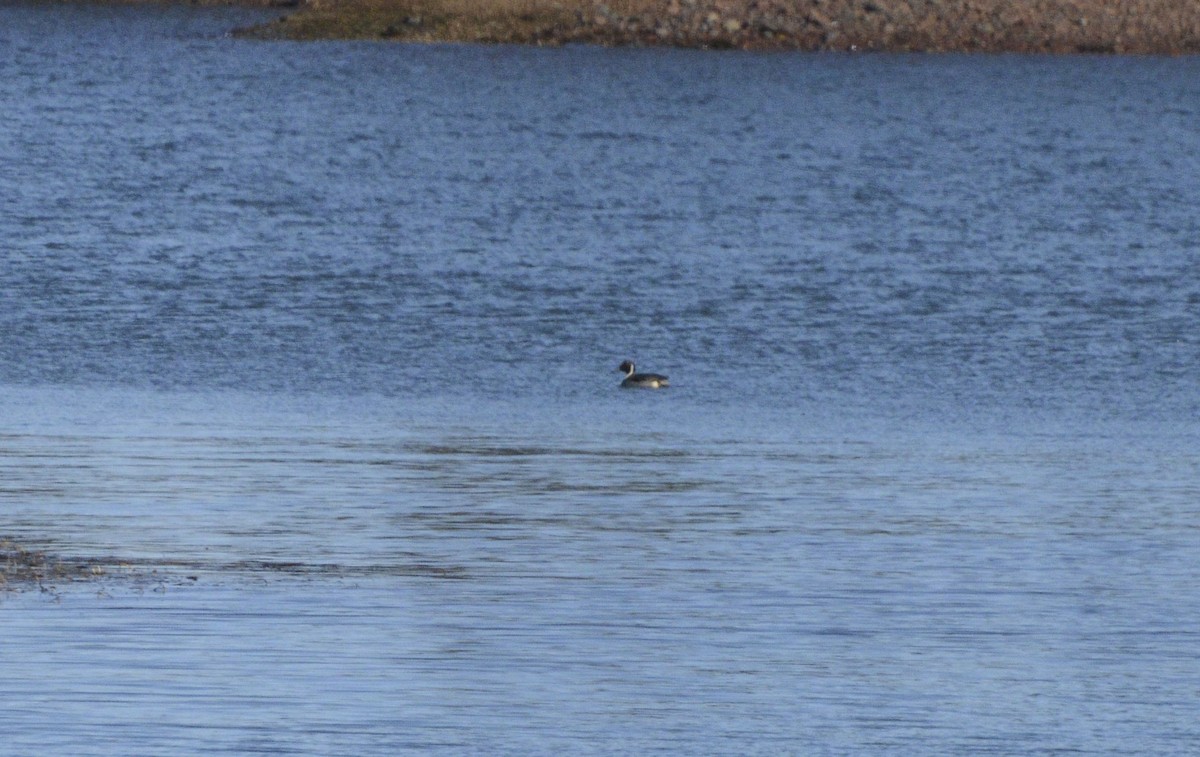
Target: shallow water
(313, 348)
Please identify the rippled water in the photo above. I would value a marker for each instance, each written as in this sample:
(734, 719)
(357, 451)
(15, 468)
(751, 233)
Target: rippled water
(312, 348)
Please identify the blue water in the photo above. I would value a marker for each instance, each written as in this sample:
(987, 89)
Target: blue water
(312, 349)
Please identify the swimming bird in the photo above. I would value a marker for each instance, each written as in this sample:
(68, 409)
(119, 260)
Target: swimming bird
(640, 380)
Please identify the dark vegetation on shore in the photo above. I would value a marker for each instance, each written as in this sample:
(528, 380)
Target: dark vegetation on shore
(1028, 26)
(23, 568)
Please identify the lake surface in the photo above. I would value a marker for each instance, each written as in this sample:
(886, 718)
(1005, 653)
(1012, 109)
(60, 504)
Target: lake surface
(314, 348)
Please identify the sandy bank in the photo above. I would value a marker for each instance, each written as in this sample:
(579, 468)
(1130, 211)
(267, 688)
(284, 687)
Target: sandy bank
(1030, 26)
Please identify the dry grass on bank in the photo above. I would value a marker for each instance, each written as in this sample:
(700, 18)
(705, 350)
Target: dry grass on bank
(1037, 26)
(511, 21)
(429, 20)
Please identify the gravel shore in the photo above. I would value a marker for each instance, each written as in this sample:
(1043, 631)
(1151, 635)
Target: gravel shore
(1028, 26)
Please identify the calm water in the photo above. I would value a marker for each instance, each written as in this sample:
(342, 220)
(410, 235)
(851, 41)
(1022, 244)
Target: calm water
(315, 346)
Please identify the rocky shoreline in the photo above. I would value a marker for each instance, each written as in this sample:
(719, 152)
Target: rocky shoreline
(1169, 27)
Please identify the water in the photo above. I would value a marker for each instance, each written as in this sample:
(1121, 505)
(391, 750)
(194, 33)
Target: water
(313, 348)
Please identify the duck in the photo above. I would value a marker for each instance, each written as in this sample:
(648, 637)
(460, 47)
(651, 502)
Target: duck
(640, 380)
